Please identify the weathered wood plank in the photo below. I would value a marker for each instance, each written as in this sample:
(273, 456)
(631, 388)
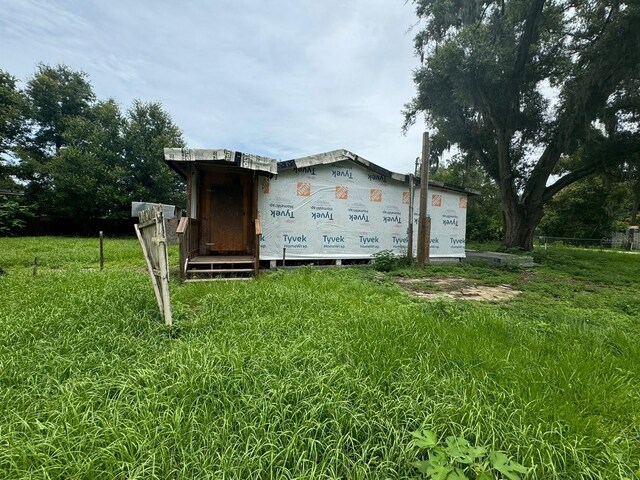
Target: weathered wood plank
(154, 280)
(146, 224)
(154, 247)
(182, 225)
(163, 257)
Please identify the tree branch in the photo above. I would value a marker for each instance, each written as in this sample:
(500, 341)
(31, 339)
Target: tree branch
(568, 179)
(528, 37)
(604, 66)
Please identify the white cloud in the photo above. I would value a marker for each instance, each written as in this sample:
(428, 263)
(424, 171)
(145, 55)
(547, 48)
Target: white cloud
(281, 78)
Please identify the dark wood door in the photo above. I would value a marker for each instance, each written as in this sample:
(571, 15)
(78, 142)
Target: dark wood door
(228, 218)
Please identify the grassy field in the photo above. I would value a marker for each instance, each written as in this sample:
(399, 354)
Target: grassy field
(311, 373)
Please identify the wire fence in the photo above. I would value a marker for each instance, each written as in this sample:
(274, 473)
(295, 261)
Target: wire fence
(615, 242)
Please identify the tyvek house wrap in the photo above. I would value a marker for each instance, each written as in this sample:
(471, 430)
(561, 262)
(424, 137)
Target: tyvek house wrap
(346, 211)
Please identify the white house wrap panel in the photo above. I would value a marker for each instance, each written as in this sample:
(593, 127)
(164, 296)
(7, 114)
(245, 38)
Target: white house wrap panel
(344, 210)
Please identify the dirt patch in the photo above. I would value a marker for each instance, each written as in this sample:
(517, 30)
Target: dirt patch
(456, 287)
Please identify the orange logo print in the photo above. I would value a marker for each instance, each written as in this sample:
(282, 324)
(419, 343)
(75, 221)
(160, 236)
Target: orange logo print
(265, 186)
(406, 199)
(376, 195)
(463, 202)
(436, 200)
(342, 193)
(304, 189)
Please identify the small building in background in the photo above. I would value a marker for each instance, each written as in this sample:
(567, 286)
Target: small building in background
(331, 207)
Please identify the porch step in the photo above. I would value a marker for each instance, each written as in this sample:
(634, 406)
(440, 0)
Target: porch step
(209, 267)
(218, 279)
(221, 270)
(211, 260)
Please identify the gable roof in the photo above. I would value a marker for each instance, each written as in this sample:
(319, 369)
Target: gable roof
(180, 157)
(341, 155)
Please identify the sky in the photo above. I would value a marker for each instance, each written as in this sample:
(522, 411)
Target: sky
(281, 78)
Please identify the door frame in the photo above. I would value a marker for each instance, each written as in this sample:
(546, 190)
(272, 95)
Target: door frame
(219, 175)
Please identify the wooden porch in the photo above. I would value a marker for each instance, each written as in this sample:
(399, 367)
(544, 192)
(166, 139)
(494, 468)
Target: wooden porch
(219, 237)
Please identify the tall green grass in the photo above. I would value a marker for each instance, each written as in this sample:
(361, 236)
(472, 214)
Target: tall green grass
(311, 373)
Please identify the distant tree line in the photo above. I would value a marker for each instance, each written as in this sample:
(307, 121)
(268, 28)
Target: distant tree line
(80, 161)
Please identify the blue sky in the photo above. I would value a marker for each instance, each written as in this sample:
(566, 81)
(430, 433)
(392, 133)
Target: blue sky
(283, 78)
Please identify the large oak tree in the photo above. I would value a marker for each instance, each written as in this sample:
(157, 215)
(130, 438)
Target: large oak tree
(519, 84)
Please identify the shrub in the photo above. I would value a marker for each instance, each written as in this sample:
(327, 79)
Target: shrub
(386, 261)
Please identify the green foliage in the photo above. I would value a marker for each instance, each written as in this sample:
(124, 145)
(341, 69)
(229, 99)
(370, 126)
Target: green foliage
(12, 125)
(12, 113)
(82, 159)
(148, 130)
(387, 260)
(56, 95)
(311, 373)
(12, 216)
(480, 88)
(457, 459)
(590, 208)
(91, 167)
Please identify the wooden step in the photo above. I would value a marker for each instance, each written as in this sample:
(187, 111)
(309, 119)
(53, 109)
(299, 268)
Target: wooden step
(218, 279)
(221, 270)
(217, 260)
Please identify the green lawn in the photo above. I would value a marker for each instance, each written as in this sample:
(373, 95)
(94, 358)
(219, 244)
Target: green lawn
(311, 373)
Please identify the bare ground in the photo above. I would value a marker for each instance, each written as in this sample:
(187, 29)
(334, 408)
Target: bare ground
(460, 288)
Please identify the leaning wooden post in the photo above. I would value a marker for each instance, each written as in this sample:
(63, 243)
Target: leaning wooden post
(148, 259)
(152, 235)
(424, 223)
(101, 249)
(163, 256)
(35, 266)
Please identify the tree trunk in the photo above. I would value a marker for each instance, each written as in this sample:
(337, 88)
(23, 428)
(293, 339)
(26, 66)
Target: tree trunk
(519, 227)
(520, 220)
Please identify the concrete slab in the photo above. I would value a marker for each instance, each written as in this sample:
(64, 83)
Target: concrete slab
(499, 259)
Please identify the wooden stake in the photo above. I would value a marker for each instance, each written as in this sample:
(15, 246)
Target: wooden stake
(35, 266)
(284, 255)
(424, 224)
(427, 245)
(258, 230)
(101, 250)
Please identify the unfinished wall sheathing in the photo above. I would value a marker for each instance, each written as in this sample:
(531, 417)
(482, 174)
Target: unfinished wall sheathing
(344, 210)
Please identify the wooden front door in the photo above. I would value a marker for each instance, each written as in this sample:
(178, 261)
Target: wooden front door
(227, 214)
(227, 218)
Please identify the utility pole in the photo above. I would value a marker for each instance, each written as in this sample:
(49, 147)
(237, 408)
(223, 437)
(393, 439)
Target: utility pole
(424, 221)
(410, 221)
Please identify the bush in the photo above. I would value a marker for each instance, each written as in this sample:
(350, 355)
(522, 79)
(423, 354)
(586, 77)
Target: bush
(386, 261)
(12, 216)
